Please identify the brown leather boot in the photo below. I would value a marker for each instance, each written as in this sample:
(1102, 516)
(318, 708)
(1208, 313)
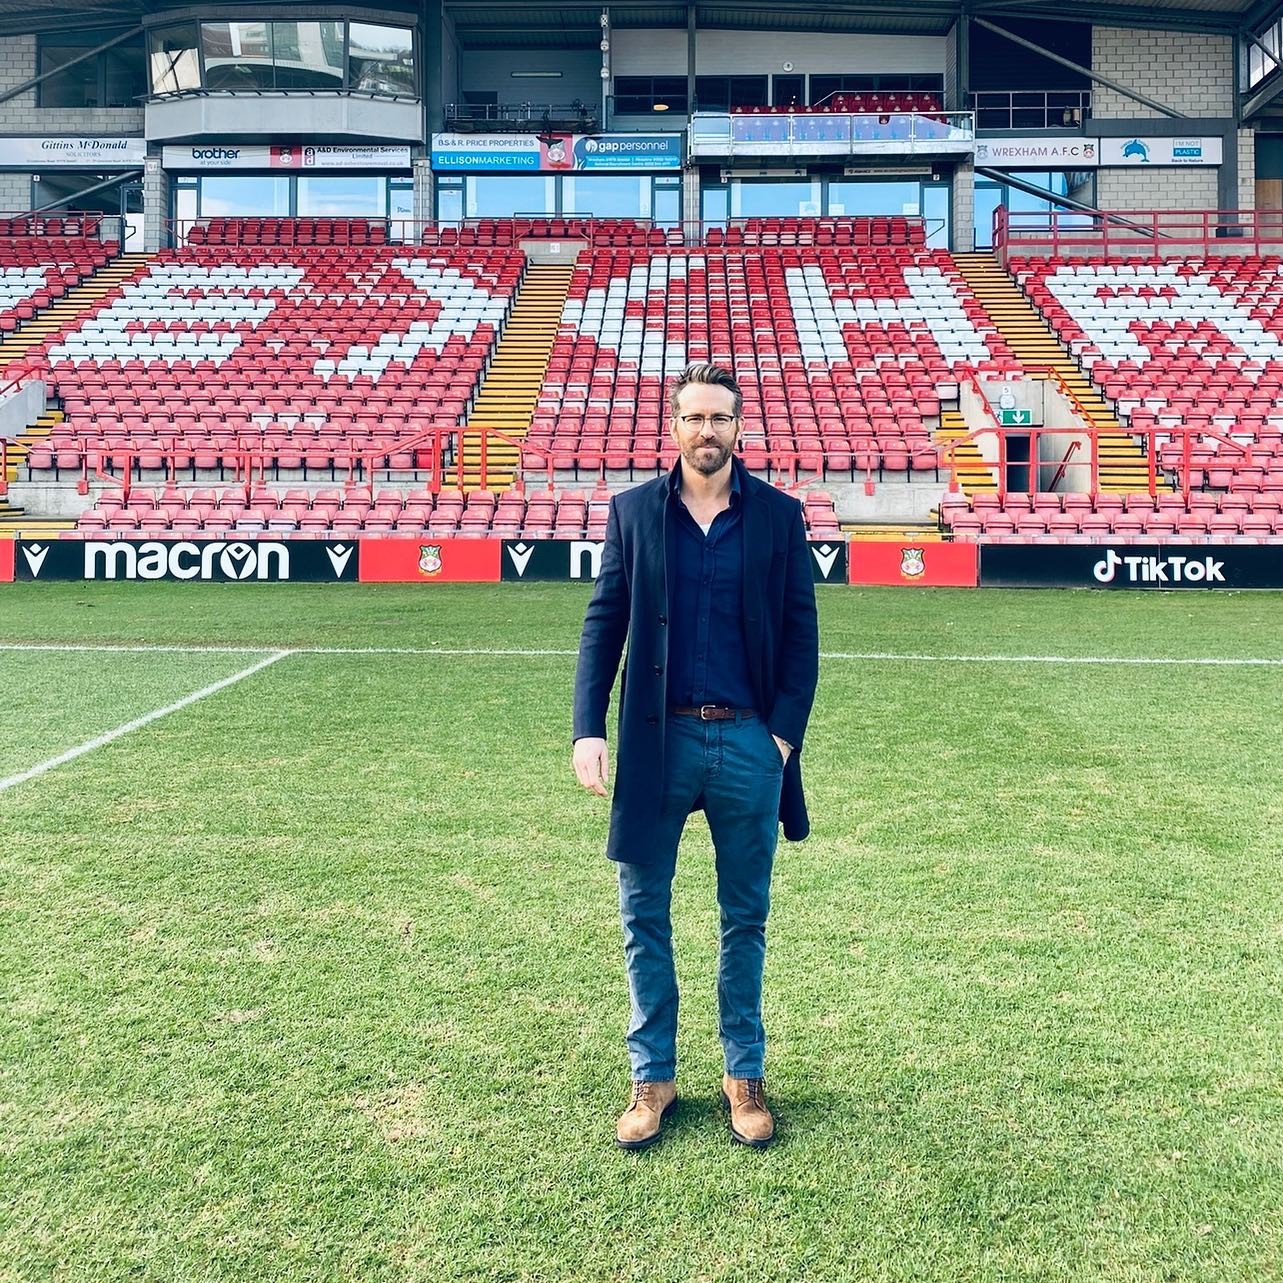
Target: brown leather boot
(639, 1125)
(751, 1121)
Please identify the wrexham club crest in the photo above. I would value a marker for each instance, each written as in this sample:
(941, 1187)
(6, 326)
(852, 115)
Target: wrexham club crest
(912, 563)
(430, 558)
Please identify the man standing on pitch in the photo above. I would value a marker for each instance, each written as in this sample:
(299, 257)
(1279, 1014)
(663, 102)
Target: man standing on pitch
(707, 575)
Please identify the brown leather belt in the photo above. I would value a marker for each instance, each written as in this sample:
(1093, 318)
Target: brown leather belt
(715, 712)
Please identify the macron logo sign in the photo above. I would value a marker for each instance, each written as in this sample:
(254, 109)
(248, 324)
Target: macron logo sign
(35, 556)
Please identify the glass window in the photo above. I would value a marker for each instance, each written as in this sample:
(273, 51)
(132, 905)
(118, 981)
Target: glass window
(606, 197)
(935, 209)
(308, 55)
(767, 198)
(450, 200)
(75, 86)
(988, 198)
(503, 196)
(174, 65)
(721, 93)
(114, 77)
(790, 91)
(639, 95)
(53, 188)
(238, 55)
(715, 204)
(381, 59)
(244, 196)
(865, 198)
(668, 201)
(343, 197)
(124, 75)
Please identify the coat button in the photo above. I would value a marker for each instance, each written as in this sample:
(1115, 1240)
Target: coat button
(663, 619)
(652, 721)
(658, 669)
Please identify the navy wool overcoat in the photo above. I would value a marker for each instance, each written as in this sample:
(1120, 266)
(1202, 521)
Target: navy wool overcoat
(630, 602)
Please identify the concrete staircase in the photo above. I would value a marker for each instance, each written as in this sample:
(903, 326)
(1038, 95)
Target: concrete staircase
(51, 320)
(15, 521)
(1123, 464)
(974, 474)
(508, 394)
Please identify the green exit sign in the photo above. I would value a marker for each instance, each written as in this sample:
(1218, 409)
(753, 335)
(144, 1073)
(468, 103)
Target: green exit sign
(1016, 418)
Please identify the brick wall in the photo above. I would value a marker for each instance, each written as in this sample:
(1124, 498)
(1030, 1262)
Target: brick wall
(1190, 73)
(1247, 169)
(15, 193)
(963, 210)
(1193, 187)
(20, 115)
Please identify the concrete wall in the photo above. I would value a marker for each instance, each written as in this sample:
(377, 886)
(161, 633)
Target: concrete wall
(20, 116)
(580, 74)
(21, 408)
(747, 53)
(260, 116)
(1190, 73)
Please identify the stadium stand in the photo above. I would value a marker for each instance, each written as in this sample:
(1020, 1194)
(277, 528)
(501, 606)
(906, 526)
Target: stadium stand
(295, 355)
(37, 270)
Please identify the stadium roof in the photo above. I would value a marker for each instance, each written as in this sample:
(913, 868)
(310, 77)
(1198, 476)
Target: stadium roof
(521, 24)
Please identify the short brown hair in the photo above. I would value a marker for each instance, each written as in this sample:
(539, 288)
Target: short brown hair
(706, 372)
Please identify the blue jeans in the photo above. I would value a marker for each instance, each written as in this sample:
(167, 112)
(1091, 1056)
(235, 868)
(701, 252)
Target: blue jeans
(737, 768)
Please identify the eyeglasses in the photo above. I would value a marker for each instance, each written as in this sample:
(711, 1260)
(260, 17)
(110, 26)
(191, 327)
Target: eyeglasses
(693, 422)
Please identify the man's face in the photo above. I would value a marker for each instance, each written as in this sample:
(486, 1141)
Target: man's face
(705, 427)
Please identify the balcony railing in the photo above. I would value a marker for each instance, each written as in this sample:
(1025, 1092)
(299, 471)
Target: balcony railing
(1031, 109)
(578, 117)
(832, 134)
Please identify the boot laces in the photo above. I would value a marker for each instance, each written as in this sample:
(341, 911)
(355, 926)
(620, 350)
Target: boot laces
(754, 1092)
(642, 1093)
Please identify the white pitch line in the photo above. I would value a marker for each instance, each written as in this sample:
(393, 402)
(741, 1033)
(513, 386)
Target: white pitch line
(100, 740)
(530, 652)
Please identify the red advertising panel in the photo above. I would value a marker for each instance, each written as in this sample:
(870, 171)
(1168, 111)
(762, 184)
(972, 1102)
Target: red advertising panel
(429, 561)
(6, 561)
(954, 565)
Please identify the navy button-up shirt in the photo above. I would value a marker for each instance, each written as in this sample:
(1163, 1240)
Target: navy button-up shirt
(707, 654)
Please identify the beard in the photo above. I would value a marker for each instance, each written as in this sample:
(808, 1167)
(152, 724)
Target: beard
(707, 457)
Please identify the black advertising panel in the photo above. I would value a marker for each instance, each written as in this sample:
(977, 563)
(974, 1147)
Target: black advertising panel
(579, 560)
(201, 560)
(1156, 566)
(547, 560)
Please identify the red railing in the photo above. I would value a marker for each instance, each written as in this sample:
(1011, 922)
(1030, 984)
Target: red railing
(249, 465)
(1034, 465)
(1129, 233)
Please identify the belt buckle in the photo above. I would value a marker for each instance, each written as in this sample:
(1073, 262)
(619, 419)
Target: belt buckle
(705, 710)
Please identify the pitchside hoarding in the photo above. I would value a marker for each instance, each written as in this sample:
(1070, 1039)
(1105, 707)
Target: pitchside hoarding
(205, 560)
(1161, 566)
(913, 562)
(579, 560)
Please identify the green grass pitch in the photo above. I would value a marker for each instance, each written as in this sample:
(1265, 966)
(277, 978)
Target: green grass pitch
(319, 978)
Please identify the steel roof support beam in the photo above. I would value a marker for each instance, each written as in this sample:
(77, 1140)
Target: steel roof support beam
(1094, 76)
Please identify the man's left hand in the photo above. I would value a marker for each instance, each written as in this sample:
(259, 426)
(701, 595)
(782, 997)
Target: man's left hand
(785, 750)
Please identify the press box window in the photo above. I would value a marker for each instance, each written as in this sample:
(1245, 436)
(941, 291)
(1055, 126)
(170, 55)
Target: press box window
(114, 77)
(638, 95)
(175, 67)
